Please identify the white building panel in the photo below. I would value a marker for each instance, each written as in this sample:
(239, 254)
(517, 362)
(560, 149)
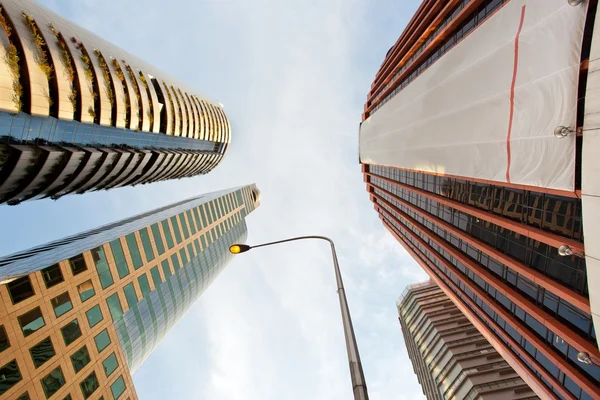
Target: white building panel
(455, 118)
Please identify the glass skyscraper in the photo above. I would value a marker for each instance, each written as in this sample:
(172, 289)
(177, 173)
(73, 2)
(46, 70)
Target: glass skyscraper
(79, 114)
(477, 150)
(79, 315)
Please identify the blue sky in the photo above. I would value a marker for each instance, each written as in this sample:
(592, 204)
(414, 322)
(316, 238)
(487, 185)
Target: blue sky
(293, 77)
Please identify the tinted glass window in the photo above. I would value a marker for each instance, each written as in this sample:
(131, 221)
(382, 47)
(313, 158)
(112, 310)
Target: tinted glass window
(186, 232)
(86, 290)
(130, 295)
(110, 364)
(94, 315)
(42, 352)
(144, 285)
(134, 251)
(119, 257)
(61, 304)
(25, 396)
(31, 321)
(102, 340)
(190, 219)
(102, 267)
(71, 332)
(89, 385)
(11, 376)
(4, 342)
(52, 382)
(166, 269)
(184, 258)
(147, 245)
(155, 276)
(77, 264)
(175, 262)
(167, 232)
(20, 289)
(114, 307)
(176, 229)
(80, 359)
(117, 388)
(160, 247)
(52, 275)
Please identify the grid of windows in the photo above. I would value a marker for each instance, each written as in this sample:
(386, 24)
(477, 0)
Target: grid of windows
(569, 271)
(569, 353)
(162, 301)
(560, 308)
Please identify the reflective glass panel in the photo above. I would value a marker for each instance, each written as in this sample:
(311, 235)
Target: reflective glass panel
(80, 359)
(31, 321)
(71, 332)
(52, 275)
(134, 251)
(89, 385)
(102, 340)
(52, 382)
(42, 352)
(61, 304)
(94, 315)
(110, 364)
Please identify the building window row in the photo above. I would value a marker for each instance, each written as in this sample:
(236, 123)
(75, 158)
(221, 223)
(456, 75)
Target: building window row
(569, 353)
(562, 309)
(569, 271)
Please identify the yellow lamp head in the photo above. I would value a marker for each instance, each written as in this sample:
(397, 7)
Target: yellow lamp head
(238, 248)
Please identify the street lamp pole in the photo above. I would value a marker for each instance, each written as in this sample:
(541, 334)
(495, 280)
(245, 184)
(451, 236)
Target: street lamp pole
(359, 386)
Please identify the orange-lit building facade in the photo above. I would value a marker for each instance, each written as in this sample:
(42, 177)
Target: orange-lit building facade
(477, 149)
(78, 316)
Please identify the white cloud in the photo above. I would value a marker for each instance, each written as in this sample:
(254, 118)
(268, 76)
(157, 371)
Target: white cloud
(293, 76)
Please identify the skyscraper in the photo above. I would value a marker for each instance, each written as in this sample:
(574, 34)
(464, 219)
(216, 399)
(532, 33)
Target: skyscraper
(451, 358)
(78, 113)
(477, 148)
(79, 315)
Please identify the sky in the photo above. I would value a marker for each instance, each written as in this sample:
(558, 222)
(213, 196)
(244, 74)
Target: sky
(293, 77)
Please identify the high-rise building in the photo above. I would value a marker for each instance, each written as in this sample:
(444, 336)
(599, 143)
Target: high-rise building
(478, 151)
(452, 359)
(79, 315)
(79, 114)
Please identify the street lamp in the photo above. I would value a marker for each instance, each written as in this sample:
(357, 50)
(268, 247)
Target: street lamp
(359, 386)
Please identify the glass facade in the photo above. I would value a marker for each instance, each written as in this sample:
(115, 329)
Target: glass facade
(440, 219)
(135, 283)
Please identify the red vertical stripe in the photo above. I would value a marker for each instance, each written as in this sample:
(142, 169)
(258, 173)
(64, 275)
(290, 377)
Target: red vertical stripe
(512, 93)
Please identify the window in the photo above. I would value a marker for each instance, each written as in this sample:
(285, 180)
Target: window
(71, 332)
(77, 264)
(117, 388)
(114, 307)
(102, 267)
(184, 258)
(134, 250)
(191, 221)
(61, 304)
(31, 321)
(24, 396)
(186, 233)
(68, 397)
(89, 385)
(176, 229)
(20, 289)
(86, 290)
(94, 315)
(166, 269)
(110, 364)
(52, 275)
(130, 295)
(42, 352)
(203, 216)
(197, 246)
(119, 257)
(167, 232)
(4, 342)
(175, 262)
(147, 245)
(102, 340)
(144, 285)
(155, 276)
(190, 250)
(52, 382)
(11, 376)
(160, 247)
(80, 359)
